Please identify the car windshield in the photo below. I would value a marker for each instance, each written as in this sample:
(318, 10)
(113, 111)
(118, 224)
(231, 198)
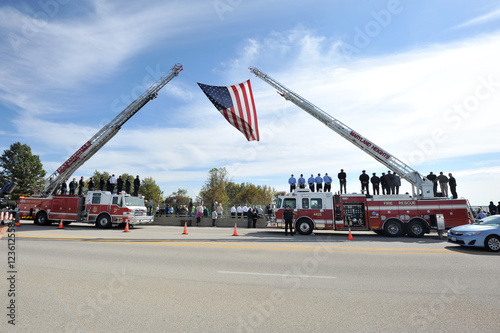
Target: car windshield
(490, 220)
(134, 201)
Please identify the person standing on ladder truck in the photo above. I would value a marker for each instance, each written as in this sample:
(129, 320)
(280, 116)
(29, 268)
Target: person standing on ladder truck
(328, 182)
(292, 182)
(342, 180)
(319, 183)
(310, 181)
(365, 180)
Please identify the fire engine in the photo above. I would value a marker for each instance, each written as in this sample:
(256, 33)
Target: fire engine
(393, 215)
(103, 208)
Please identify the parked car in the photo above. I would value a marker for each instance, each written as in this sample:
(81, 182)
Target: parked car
(484, 232)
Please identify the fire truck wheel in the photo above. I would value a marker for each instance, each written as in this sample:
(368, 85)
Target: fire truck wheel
(492, 243)
(416, 229)
(104, 222)
(304, 227)
(41, 219)
(393, 228)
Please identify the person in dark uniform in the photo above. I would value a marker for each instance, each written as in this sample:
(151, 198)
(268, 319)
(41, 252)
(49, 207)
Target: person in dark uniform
(72, 187)
(137, 185)
(432, 177)
(452, 182)
(365, 180)
(390, 183)
(101, 183)
(108, 184)
(81, 184)
(64, 187)
(255, 216)
(250, 213)
(127, 185)
(375, 180)
(311, 181)
(119, 185)
(91, 184)
(383, 183)
(288, 217)
(342, 180)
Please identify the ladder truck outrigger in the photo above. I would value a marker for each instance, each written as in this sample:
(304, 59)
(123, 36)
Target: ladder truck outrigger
(393, 215)
(103, 208)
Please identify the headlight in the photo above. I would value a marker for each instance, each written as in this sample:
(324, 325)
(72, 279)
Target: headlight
(472, 233)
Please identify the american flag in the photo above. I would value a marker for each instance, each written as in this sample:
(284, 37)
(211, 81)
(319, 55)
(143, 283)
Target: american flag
(236, 105)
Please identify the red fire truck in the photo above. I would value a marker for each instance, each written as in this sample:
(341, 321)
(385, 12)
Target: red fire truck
(100, 207)
(393, 215)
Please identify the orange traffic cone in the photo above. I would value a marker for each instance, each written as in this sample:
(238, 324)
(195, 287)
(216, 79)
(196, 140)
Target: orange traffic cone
(350, 235)
(185, 232)
(61, 226)
(18, 223)
(235, 233)
(126, 227)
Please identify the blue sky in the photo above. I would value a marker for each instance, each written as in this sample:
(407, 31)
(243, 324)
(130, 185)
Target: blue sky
(419, 78)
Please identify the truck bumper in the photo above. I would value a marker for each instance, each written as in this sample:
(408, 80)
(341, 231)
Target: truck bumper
(141, 220)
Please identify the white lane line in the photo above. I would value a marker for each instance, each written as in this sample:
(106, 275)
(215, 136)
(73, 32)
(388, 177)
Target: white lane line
(282, 275)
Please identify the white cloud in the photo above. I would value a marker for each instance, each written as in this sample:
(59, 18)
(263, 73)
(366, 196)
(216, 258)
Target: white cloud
(494, 15)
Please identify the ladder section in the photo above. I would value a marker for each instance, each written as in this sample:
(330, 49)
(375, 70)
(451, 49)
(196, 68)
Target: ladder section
(105, 134)
(381, 155)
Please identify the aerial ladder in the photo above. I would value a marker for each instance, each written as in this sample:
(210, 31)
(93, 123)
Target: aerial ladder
(421, 187)
(92, 146)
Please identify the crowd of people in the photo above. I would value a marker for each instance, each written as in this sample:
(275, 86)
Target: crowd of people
(112, 184)
(389, 183)
(249, 212)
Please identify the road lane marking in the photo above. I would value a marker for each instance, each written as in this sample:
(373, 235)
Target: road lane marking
(280, 275)
(248, 245)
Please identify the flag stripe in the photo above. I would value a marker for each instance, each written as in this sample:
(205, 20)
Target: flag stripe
(242, 113)
(254, 112)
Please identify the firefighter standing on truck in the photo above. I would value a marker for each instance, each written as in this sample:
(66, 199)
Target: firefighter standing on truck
(288, 217)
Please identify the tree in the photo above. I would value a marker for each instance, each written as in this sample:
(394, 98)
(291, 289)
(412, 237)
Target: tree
(215, 186)
(179, 193)
(19, 165)
(150, 190)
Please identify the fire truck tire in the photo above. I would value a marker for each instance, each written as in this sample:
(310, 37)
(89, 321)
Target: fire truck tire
(304, 227)
(41, 219)
(393, 228)
(415, 229)
(104, 222)
(492, 243)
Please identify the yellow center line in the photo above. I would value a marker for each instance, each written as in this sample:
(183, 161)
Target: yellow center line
(245, 245)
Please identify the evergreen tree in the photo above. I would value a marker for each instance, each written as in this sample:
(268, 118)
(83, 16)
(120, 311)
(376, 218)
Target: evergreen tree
(19, 165)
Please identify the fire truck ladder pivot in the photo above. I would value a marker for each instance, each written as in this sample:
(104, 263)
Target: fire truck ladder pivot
(421, 188)
(92, 146)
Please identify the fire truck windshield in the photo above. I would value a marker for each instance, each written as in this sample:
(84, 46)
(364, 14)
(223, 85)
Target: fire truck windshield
(134, 201)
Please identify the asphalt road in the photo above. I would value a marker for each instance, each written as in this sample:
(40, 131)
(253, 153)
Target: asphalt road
(155, 279)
